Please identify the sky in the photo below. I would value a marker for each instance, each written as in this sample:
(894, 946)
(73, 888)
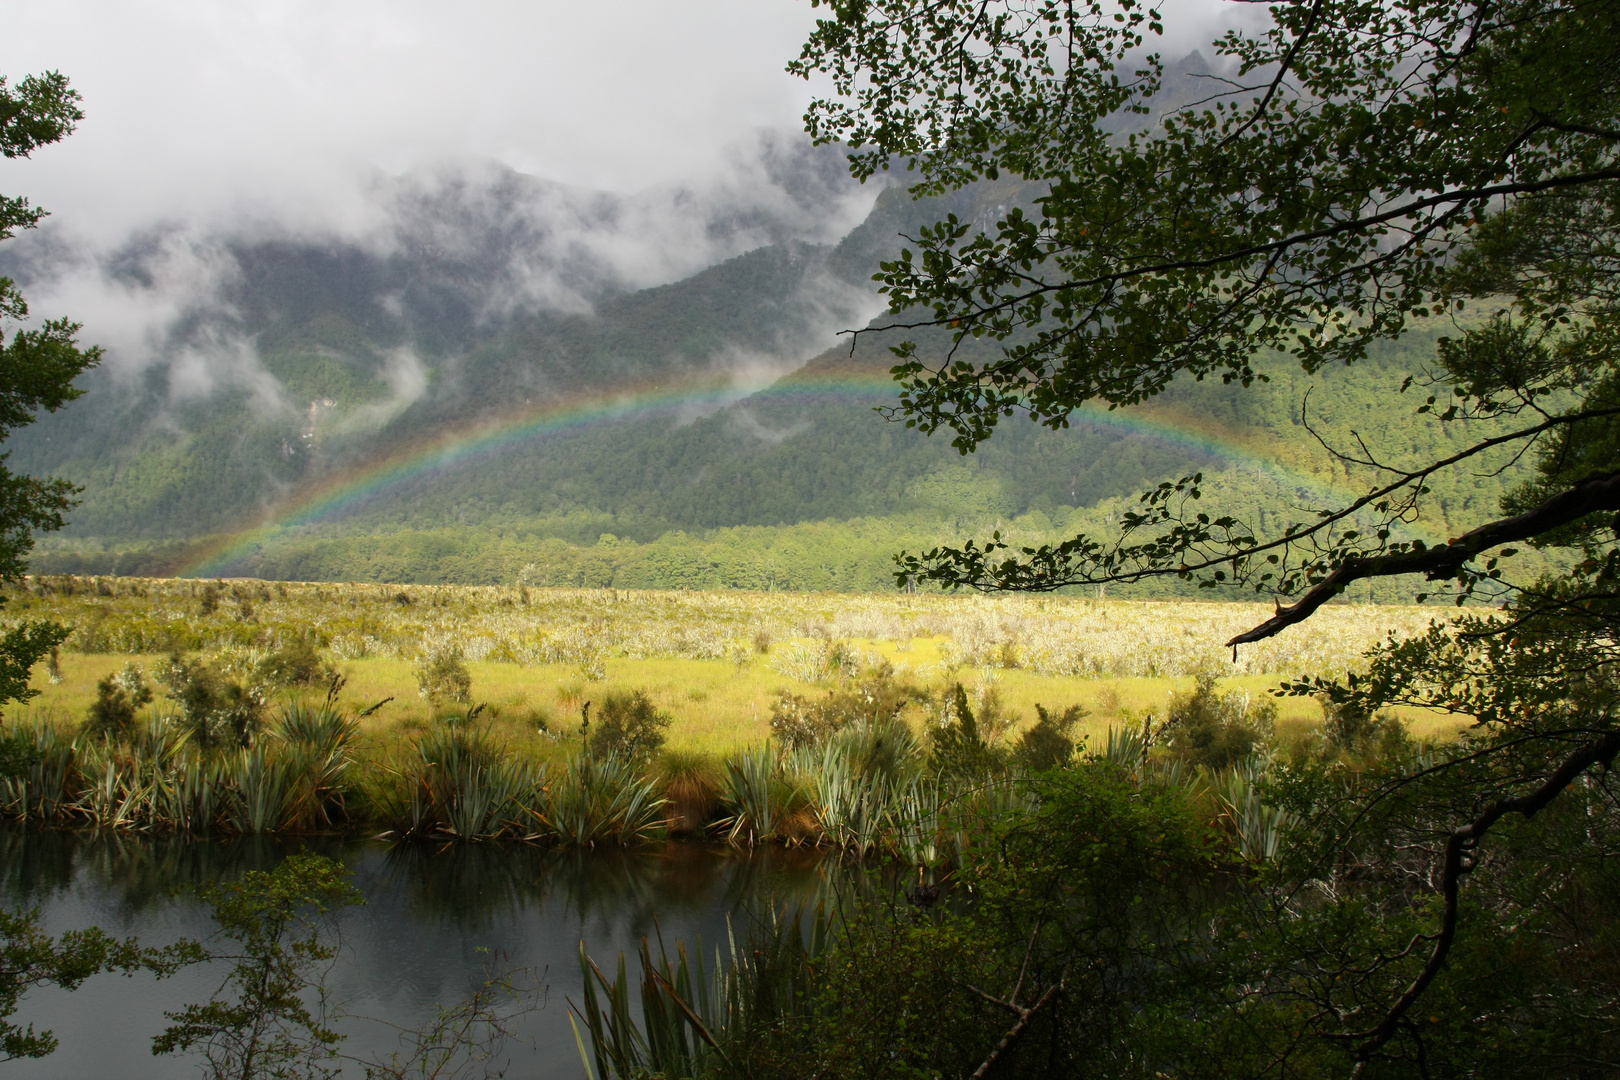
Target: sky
(215, 110)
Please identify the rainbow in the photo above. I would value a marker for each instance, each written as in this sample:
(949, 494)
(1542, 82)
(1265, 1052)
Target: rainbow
(334, 495)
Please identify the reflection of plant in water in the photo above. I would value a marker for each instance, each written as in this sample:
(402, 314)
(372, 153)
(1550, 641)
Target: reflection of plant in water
(30, 958)
(261, 1023)
(272, 1016)
(463, 1040)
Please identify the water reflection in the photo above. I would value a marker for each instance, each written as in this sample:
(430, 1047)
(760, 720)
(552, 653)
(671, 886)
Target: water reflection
(419, 939)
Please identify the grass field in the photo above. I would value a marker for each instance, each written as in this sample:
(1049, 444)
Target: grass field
(714, 661)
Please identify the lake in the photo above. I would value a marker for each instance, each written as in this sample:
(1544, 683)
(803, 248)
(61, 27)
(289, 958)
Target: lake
(433, 918)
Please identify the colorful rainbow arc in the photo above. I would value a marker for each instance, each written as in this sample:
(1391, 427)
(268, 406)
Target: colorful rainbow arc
(335, 494)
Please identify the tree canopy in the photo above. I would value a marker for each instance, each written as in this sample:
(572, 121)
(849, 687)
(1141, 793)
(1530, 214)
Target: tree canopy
(37, 368)
(1354, 170)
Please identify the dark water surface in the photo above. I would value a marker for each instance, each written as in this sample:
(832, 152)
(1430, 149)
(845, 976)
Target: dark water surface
(419, 940)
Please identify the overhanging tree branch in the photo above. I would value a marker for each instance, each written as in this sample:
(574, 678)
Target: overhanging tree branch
(1591, 495)
(1052, 568)
(1480, 194)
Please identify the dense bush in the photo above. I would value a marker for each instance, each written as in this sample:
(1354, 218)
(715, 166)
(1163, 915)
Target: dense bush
(959, 747)
(1217, 730)
(217, 709)
(442, 677)
(118, 698)
(1358, 735)
(1048, 744)
(297, 663)
(630, 726)
(809, 719)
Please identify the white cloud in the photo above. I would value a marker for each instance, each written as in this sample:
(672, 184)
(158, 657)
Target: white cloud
(197, 108)
(215, 111)
(210, 123)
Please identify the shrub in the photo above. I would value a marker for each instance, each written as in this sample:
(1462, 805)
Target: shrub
(442, 676)
(992, 713)
(1217, 730)
(959, 749)
(805, 720)
(1359, 736)
(297, 663)
(1048, 744)
(118, 697)
(629, 726)
(217, 710)
(809, 720)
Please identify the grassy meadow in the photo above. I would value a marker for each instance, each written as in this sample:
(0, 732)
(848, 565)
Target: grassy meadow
(715, 661)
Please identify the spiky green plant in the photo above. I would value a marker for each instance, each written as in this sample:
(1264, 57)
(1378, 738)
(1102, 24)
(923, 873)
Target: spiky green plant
(1259, 828)
(318, 743)
(116, 789)
(258, 785)
(38, 786)
(598, 800)
(691, 1021)
(187, 794)
(753, 795)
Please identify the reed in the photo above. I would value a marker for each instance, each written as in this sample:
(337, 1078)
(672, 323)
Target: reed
(40, 784)
(257, 785)
(870, 788)
(755, 795)
(456, 784)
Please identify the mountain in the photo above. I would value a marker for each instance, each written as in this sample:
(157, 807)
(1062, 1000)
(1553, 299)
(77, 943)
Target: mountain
(504, 379)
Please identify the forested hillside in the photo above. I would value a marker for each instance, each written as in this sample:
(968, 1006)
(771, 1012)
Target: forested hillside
(492, 399)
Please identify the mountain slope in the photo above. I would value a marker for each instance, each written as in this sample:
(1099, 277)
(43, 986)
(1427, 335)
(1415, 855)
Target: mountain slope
(492, 394)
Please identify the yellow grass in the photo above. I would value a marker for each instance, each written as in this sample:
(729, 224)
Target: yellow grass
(533, 653)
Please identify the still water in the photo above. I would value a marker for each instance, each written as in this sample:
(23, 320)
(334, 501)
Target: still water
(431, 920)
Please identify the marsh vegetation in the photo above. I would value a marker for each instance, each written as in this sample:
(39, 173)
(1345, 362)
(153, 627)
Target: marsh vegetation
(868, 724)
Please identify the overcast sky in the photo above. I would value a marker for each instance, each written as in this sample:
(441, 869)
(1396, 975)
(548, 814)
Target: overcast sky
(202, 109)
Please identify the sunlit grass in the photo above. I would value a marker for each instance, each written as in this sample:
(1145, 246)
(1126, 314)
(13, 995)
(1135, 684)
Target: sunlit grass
(537, 655)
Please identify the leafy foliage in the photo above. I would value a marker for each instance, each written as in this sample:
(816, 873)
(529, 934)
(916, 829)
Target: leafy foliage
(118, 698)
(297, 663)
(958, 747)
(442, 677)
(1359, 170)
(29, 958)
(263, 1025)
(630, 726)
(38, 366)
(1217, 730)
(810, 719)
(217, 708)
(1050, 742)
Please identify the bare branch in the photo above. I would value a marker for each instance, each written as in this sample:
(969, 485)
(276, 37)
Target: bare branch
(1024, 1017)
(1459, 862)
